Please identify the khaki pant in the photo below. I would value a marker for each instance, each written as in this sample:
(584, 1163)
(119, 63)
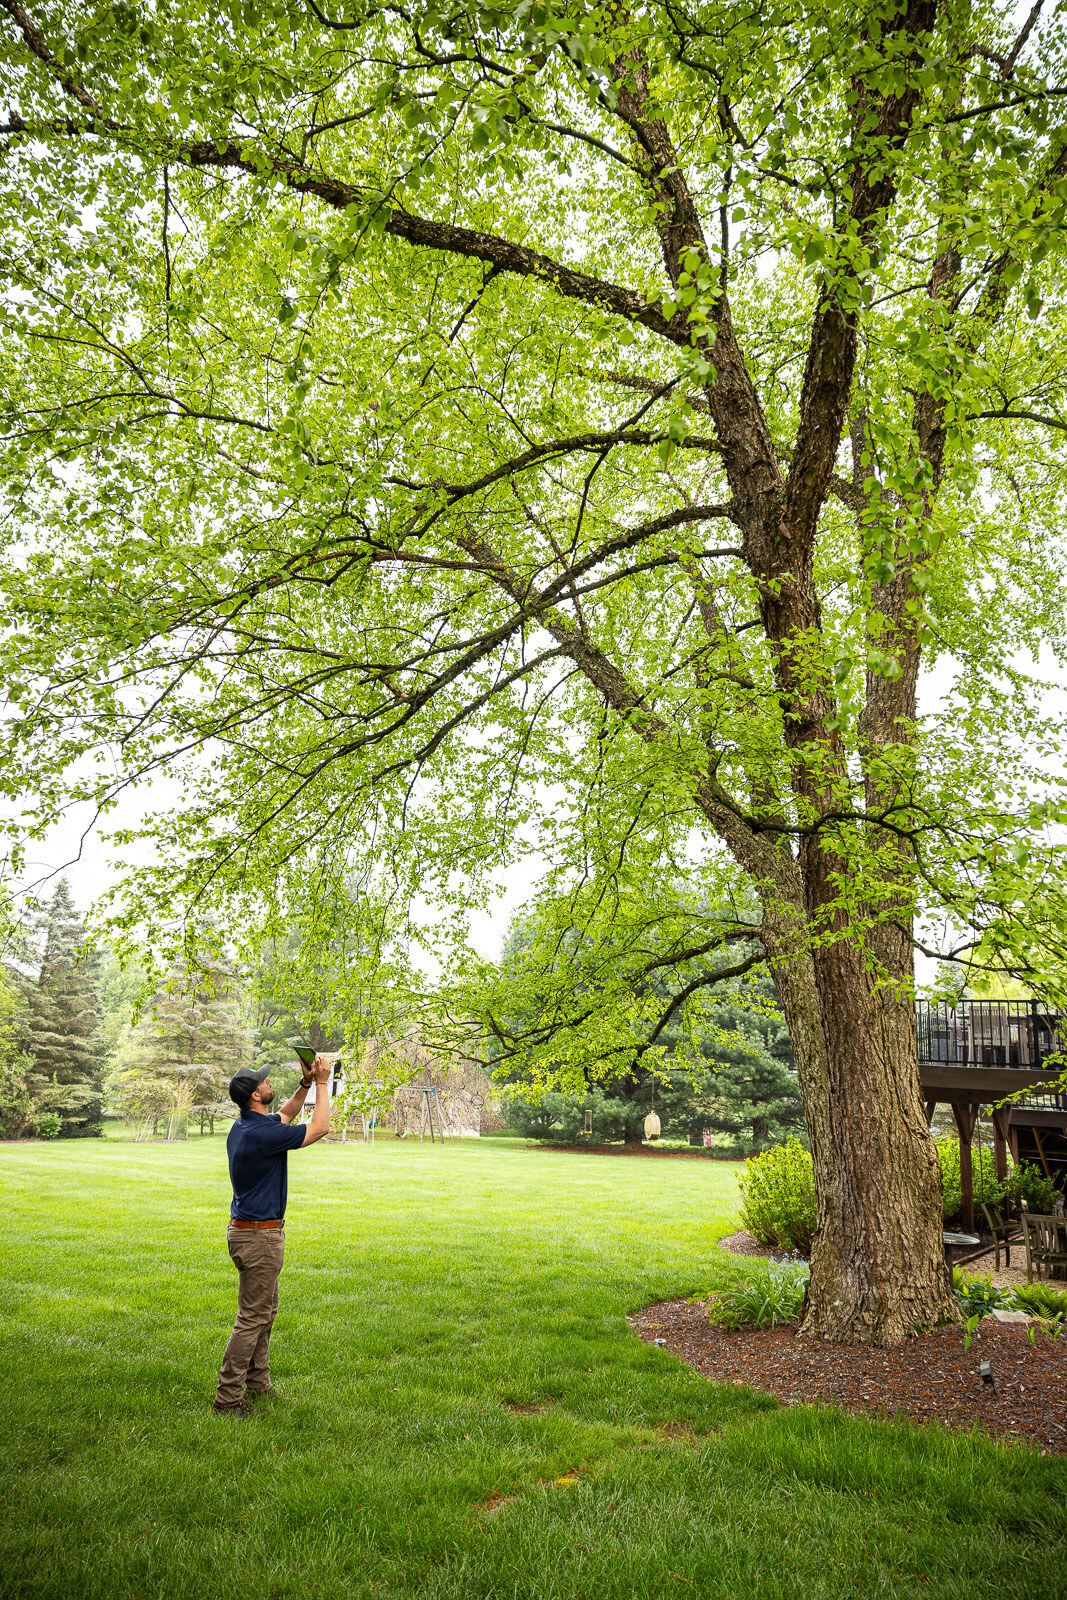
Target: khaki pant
(258, 1255)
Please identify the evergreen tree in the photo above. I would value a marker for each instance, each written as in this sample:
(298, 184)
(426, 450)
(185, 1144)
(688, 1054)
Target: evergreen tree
(62, 1015)
(187, 1045)
(17, 1118)
(754, 1095)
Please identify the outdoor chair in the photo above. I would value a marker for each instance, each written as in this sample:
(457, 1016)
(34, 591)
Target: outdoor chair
(1046, 1246)
(1004, 1229)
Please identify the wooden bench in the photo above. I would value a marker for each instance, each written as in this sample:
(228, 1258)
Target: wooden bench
(1046, 1246)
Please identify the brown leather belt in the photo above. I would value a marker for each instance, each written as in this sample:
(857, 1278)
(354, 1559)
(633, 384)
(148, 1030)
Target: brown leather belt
(235, 1223)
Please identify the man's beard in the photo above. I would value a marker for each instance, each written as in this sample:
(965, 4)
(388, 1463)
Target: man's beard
(266, 1099)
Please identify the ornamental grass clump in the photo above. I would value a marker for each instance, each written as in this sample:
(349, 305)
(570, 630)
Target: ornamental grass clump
(778, 1197)
(772, 1293)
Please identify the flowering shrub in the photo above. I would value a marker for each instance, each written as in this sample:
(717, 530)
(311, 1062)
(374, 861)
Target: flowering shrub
(778, 1197)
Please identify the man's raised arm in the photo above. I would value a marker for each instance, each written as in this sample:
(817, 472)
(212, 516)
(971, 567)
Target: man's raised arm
(320, 1117)
(294, 1105)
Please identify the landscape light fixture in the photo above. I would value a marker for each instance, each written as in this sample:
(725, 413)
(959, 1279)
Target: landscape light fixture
(985, 1372)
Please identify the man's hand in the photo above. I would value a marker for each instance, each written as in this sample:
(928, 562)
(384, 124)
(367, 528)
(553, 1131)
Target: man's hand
(321, 1069)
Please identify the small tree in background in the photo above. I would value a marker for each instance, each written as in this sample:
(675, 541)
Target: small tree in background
(61, 1022)
(187, 1045)
(17, 1116)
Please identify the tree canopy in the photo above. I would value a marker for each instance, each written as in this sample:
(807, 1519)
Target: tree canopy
(442, 434)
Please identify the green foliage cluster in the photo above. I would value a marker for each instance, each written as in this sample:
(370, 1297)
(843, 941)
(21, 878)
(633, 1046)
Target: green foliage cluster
(978, 1298)
(727, 1065)
(768, 1294)
(1042, 1300)
(778, 1205)
(987, 1186)
(1028, 1184)
(977, 1295)
(558, 1118)
(18, 1118)
(1025, 1184)
(188, 1043)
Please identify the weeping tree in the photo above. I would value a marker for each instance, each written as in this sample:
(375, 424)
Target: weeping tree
(725, 1062)
(438, 434)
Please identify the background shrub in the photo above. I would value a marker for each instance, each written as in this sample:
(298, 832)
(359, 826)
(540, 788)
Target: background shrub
(1030, 1184)
(49, 1124)
(987, 1186)
(778, 1197)
(560, 1118)
(17, 1118)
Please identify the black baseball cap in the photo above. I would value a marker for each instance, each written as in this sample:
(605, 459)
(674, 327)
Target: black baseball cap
(242, 1084)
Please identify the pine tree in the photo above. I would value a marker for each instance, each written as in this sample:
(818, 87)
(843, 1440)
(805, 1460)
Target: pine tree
(61, 1033)
(187, 1046)
(755, 1097)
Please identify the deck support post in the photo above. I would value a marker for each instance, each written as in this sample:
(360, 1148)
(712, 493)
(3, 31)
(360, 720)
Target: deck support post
(931, 1107)
(966, 1115)
(999, 1115)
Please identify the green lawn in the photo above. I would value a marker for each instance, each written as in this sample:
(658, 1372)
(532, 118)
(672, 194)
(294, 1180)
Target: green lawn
(426, 1288)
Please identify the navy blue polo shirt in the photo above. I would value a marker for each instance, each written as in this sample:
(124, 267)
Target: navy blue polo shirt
(257, 1146)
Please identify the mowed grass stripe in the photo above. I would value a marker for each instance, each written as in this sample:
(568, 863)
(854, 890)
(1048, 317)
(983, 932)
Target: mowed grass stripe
(428, 1288)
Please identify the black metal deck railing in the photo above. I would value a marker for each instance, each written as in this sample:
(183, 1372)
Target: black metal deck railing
(994, 1033)
(990, 1033)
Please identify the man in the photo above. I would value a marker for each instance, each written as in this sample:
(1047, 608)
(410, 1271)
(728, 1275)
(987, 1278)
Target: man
(258, 1146)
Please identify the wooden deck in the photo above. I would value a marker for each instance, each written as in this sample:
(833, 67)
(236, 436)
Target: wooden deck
(979, 1052)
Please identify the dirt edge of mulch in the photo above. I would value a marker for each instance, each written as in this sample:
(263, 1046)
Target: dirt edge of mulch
(744, 1243)
(929, 1379)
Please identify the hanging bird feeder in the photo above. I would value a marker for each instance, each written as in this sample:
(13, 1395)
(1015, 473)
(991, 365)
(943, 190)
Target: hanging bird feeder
(652, 1126)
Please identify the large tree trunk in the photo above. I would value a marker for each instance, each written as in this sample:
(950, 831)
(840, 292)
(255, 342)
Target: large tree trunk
(878, 1272)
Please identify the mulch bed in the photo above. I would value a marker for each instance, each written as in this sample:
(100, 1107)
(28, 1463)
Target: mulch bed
(746, 1244)
(931, 1379)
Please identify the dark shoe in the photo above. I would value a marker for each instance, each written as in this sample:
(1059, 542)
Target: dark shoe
(269, 1393)
(237, 1408)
